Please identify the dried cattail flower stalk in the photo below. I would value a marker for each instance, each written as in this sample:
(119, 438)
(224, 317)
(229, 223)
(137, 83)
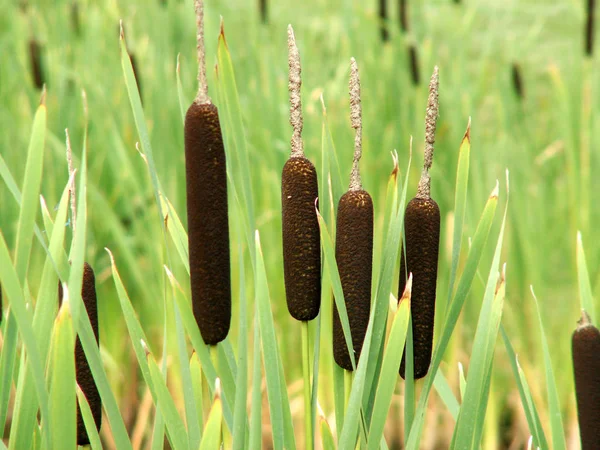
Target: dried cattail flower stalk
(354, 245)
(586, 366)
(300, 227)
(422, 237)
(208, 222)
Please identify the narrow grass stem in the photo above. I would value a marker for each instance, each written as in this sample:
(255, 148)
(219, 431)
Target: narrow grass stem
(308, 428)
(347, 387)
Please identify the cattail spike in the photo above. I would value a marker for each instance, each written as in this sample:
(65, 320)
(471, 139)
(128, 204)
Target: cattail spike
(356, 120)
(295, 83)
(431, 116)
(202, 96)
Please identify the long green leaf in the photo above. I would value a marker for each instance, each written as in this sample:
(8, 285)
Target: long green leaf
(585, 289)
(88, 420)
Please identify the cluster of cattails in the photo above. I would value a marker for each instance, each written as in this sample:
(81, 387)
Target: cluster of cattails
(419, 254)
(586, 366)
(300, 227)
(84, 376)
(354, 245)
(208, 223)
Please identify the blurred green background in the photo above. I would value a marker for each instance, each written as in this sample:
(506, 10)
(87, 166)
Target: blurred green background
(545, 138)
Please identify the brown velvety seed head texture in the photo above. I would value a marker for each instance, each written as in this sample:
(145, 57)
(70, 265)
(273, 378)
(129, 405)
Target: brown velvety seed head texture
(354, 257)
(301, 241)
(422, 237)
(208, 223)
(84, 376)
(586, 366)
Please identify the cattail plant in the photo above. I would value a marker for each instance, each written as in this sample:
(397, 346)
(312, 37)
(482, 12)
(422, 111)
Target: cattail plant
(354, 245)
(589, 28)
(383, 16)
(413, 56)
(208, 223)
(517, 81)
(35, 59)
(422, 237)
(586, 366)
(75, 20)
(299, 192)
(262, 7)
(85, 379)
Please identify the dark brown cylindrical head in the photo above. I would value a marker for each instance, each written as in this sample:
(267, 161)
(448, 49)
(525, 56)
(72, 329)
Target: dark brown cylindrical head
(354, 257)
(586, 366)
(301, 241)
(403, 13)
(422, 237)
(35, 59)
(84, 376)
(85, 379)
(262, 6)
(208, 223)
(414, 65)
(518, 81)
(589, 27)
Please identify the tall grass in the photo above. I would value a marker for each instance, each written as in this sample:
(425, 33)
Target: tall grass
(156, 377)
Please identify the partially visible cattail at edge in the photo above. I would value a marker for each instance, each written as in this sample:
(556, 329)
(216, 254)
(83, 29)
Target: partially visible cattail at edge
(422, 239)
(85, 379)
(37, 66)
(586, 366)
(589, 27)
(354, 245)
(383, 18)
(300, 227)
(208, 223)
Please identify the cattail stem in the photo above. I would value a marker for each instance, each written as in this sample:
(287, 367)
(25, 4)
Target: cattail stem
(424, 189)
(356, 119)
(402, 10)
(308, 428)
(262, 6)
(295, 83)
(202, 96)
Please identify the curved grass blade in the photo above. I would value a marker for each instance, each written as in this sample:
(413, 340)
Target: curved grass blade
(585, 289)
(88, 420)
(211, 439)
(175, 428)
(62, 393)
(389, 369)
(556, 425)
(462, 290)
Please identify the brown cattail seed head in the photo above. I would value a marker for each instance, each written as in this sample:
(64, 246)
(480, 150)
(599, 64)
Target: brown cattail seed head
(385, 35)
(35, 59)
(208, 224)
(589, 27)
(84, 376)
(354, 257)
(586, 366)
(422, 237)
(518, 81)
(415, 73)
(301, 241)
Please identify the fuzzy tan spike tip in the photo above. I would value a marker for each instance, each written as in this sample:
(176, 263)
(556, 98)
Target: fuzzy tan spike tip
(356, 120)
(431, 116)
(202, 95)
(294, 85)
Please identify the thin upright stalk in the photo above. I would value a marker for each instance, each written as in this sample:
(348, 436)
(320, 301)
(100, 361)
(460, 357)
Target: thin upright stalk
(308, 423)
(347, 387)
